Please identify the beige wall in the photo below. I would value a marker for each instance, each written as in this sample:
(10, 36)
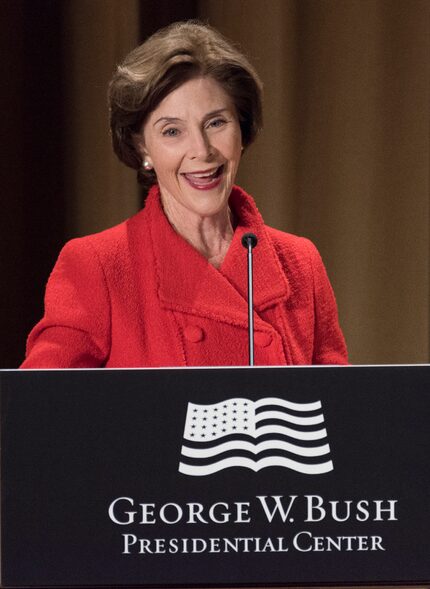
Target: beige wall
(344, 156)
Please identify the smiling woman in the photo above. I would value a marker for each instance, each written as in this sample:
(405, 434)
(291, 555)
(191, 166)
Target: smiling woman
(195, 155)
(168, 287)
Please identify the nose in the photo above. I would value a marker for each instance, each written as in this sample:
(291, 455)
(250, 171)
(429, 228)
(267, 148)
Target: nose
(199, 146)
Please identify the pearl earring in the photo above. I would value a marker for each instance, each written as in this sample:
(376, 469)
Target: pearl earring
(147, 166)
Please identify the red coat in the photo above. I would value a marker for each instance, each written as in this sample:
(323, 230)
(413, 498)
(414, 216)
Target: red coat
(139, 295)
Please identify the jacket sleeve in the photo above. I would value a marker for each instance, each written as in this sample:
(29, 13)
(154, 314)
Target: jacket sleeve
(329, 343)
(75, 329)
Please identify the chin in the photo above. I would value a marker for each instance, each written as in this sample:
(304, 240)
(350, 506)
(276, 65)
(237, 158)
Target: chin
(210, 210)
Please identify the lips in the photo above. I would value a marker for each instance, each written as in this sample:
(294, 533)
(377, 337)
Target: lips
(204, 179)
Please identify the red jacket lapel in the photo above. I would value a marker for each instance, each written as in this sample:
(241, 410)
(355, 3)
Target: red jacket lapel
(186, 282)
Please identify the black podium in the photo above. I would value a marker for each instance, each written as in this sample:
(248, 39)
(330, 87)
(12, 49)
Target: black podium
(215, 477)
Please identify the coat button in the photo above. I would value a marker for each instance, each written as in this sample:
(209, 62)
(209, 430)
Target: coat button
(262, 339)
(193, 333)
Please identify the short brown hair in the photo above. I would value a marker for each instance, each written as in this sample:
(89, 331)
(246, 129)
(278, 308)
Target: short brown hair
(170, 57)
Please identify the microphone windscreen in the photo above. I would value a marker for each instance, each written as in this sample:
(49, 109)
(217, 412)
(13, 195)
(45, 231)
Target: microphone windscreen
(249, 238)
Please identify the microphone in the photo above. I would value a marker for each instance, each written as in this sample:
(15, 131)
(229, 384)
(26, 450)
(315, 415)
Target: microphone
(249, 241)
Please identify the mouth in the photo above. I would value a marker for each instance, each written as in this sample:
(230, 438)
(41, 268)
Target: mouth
(206, 179)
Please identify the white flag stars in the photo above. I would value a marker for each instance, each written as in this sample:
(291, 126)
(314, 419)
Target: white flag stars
(211, 422)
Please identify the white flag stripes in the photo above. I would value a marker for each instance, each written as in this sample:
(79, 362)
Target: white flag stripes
(255, 435)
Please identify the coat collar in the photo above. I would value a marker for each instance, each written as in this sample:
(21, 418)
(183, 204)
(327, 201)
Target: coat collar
(188, 283)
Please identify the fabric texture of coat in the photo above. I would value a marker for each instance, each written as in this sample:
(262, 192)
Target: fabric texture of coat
(139, 295)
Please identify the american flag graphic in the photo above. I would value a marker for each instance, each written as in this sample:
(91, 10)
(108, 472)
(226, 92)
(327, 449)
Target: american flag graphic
(255, 435)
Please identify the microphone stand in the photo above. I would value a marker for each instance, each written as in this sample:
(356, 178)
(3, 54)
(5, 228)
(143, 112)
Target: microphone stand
(249, 241)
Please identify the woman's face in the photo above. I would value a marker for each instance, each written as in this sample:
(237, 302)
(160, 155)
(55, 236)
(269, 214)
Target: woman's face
(193, 141)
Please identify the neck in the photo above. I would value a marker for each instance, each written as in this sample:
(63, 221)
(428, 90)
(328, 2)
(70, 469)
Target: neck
(209, 235)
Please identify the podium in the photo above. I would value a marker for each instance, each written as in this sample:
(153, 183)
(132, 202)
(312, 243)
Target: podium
(215, 477)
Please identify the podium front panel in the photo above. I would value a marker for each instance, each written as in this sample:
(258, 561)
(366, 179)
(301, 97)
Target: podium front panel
(198, 477)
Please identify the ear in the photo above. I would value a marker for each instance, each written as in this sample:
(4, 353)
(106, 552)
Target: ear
(139, 146)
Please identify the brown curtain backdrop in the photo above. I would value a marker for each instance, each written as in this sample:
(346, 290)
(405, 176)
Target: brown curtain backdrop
(343, 158)
(96, 36)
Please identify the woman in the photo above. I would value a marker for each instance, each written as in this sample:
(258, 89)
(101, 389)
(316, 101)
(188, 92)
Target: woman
(168, 286)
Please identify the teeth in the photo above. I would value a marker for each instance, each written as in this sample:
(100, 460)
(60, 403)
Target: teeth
(203, 174)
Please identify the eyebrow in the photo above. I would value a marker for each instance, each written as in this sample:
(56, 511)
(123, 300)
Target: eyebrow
(176, 119)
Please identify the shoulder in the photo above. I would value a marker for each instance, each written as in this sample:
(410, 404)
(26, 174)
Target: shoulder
(105, 247)
(113, 254)
(293, 249)
(117, 240)
(301, 262)
(281, 239)
(108, 239)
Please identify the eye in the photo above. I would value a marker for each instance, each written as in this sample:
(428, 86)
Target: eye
(217, 123)
(170, 132)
